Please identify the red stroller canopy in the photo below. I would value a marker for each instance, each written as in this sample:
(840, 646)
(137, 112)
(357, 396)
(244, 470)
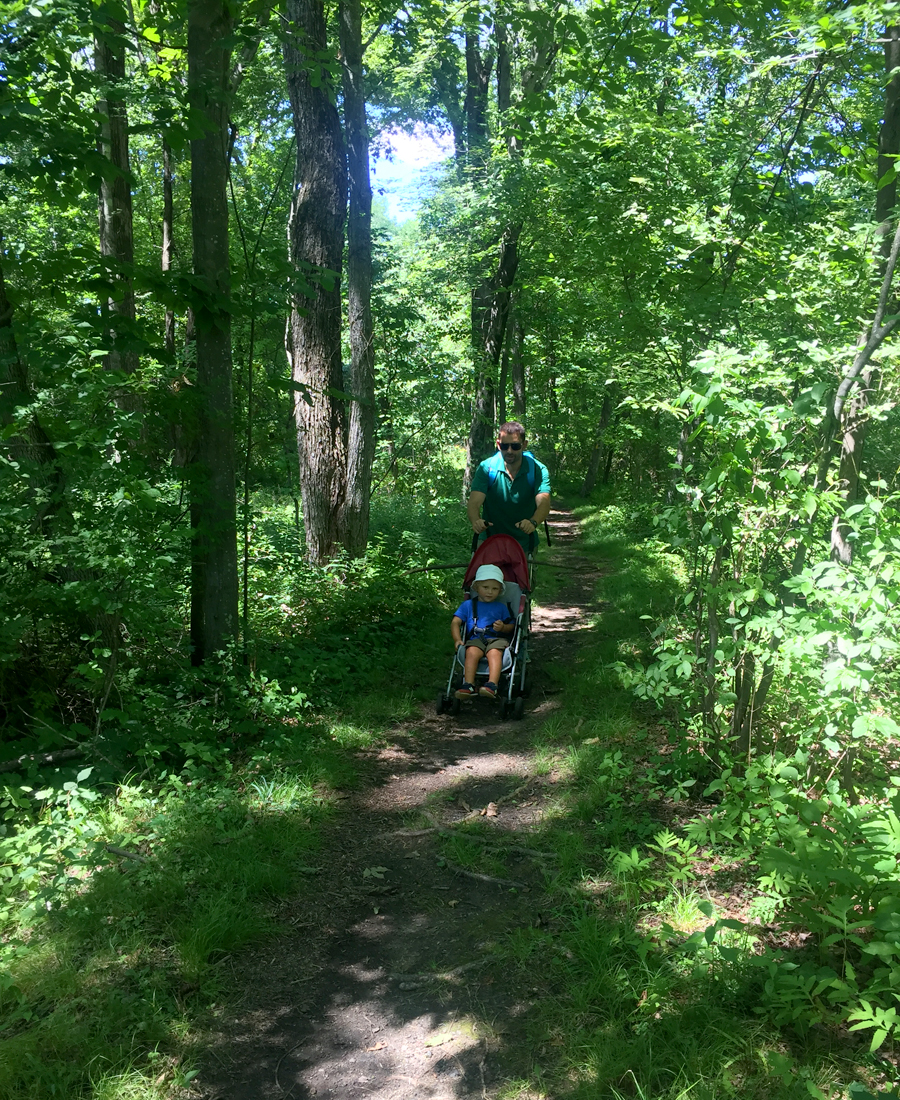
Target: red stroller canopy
(505, 552)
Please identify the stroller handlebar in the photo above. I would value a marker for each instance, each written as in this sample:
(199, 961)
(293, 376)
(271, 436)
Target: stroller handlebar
(532, 539)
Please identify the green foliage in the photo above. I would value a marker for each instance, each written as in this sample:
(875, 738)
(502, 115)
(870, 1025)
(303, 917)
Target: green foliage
(119, 903)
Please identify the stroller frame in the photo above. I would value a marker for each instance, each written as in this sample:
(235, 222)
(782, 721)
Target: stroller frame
(506, 553)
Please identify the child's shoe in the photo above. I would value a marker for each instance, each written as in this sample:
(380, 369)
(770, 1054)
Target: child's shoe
(489, 689)
(467, 691)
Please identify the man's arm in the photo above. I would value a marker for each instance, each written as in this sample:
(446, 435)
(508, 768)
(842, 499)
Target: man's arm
(540, 513)
(473, 511)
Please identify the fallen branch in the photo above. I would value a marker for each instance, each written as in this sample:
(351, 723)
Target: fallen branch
(42, 759)
(485, 878)
(499, 802)
(440, 976)
(518, 848)
(427, 568)
(464, 565)
(125, 854)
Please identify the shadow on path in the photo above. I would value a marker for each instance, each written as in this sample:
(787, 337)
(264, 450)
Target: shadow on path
(398, 983)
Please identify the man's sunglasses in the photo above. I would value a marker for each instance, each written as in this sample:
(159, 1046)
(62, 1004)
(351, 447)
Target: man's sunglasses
(510, 446)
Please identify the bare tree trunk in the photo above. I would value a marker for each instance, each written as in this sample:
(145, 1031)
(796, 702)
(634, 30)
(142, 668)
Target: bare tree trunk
(607, 470)
(361, 442)
(490, 307)
(502, 385)
(590, 478)
(449, 93)
(214, 587)
(490, 299)
(168, 239)
(478, 78)
(854, 421)
(115, 208)
(315, 235)
(517, 364)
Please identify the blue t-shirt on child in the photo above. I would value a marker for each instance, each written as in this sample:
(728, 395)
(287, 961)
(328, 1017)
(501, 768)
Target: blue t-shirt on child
(486, 614)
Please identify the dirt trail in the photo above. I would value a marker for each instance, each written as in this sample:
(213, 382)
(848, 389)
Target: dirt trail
(387, 987)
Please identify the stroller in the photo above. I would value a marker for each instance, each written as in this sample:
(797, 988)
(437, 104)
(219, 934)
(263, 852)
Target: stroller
(506, 553)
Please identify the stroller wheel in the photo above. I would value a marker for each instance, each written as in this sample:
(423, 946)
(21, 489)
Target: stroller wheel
(505, 709)
(518, 708)
(440, 704)
(454, 705)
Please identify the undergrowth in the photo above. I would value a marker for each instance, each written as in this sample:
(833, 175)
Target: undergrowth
(678, 962)
(128, 877)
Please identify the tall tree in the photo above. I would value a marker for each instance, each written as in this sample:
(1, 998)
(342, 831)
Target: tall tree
(115, 210)
(361, 440)
(316, 238)
(491, 296)
(852, 421)
(214, 587)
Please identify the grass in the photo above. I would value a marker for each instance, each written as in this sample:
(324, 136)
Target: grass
(101, 990)
(103, 993)
(624, 1008)
(111, 963)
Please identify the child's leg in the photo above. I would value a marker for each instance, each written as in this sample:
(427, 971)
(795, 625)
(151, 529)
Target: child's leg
(473, 656)
(495, 664)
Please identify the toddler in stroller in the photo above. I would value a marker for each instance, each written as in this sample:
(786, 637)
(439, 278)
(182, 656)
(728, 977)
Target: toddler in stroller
(490, 629)
(485, 621)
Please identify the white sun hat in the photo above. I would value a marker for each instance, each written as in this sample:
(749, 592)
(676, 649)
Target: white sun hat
(489, 573)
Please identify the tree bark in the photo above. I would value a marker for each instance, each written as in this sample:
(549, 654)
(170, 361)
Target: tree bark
(478, 77)
(115, 207)
(889, 140)
(214, 587)
(854, 421)
(490, 299)
(490, 308)
(449, 93)
(315, 232)
(590, 478)
(168, 239)
(517, 364)
(361, 442)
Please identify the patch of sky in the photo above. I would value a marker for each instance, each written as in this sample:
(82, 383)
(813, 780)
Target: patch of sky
(400, 163)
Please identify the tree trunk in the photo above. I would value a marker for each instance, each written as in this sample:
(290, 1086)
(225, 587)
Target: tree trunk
(478, 78)
(490, 307)
(853, 437)
(168, 239)
(590, 478)
(502, 384)
(854, 420)
(445, 79)
(315, 233)
(517, 364)
(490, 300)
(608, 468)
(889, 141)
(361, 443)
(115, 208)
(214, 587)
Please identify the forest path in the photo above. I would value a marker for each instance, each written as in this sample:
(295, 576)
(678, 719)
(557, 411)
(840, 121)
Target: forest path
(396, 983)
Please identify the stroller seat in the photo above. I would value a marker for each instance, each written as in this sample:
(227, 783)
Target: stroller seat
(506, 553)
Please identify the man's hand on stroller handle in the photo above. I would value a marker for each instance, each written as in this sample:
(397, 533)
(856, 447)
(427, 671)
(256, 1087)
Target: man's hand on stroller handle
(479, 525)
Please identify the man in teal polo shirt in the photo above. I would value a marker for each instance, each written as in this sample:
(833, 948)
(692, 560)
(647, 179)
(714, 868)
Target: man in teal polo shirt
(513, 487)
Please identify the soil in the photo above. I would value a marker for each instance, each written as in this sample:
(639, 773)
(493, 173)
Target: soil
(387, 984)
